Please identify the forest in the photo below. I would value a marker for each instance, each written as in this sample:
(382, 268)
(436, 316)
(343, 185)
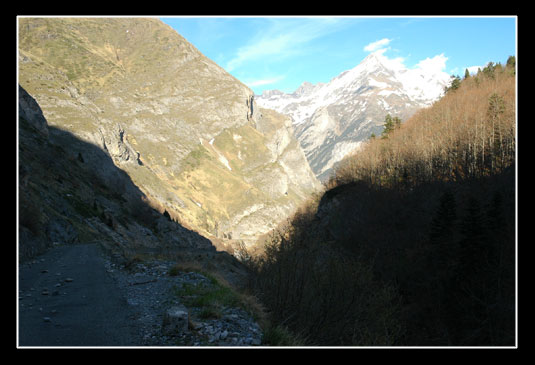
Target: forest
(413, 242)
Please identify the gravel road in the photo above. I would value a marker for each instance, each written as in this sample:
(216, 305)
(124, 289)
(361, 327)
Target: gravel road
(77, 296)
(67, 298)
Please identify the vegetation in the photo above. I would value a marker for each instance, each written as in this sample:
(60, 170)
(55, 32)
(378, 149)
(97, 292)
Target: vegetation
(468, 133)
(413, 243)
(211, 296)
(390, 125)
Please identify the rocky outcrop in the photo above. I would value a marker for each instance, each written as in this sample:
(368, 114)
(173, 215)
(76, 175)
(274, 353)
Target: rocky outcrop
(30, 111)
(114, 142)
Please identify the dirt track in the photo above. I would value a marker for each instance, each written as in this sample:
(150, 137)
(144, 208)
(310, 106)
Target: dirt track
(67, 298)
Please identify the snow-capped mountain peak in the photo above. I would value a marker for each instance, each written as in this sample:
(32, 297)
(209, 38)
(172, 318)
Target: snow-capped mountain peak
(333, 118)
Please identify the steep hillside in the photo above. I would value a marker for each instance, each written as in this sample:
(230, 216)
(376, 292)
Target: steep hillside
(63, 199)
(334, 119)
(414, 242)
(188, 134)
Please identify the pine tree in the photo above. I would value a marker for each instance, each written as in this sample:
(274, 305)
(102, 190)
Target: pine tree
(466, 74)
(454, 85)
(510, 65)
(511, 61)
(391, 123)
(388, 126)
(489, 70)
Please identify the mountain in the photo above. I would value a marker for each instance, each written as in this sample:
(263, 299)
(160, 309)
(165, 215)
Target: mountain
(334, 118)
(189, 135)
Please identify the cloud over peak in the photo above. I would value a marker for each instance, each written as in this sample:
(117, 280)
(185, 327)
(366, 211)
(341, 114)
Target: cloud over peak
(377, 45)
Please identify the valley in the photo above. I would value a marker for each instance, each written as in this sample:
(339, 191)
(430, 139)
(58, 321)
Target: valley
(161, 202)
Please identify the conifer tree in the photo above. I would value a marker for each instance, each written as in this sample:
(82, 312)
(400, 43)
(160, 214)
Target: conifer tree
(455, 83)
(388, 126)
(391, 123)
(510, 65)
(511, 61)
(489, 70)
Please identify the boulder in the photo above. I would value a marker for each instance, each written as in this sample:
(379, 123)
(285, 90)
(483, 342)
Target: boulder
(175, 320)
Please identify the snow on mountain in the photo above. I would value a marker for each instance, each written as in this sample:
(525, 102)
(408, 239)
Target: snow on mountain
(332, 119)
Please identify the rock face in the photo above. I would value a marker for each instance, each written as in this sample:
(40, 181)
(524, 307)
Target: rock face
(30, 111)
(333, 119)
(188, 134)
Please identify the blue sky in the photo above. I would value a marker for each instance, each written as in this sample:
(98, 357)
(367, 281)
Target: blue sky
(282, 52)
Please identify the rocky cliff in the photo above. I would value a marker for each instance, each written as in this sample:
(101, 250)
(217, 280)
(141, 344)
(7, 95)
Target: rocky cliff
(188, 134)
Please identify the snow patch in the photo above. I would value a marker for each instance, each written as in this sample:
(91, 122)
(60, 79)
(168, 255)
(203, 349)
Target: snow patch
(224, 161)
(387, 92)
(236, 137)
(379, 84)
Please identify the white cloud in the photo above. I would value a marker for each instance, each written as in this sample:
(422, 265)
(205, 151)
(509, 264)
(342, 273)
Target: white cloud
(281, 39)
(264, 81)
(473, 69)
(377, 45)
(433, 65)
(264, 48)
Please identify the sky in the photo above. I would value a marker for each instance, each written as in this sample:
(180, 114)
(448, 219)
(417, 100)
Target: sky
(267, 53)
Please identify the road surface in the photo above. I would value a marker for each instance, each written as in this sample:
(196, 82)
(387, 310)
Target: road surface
(67, 298)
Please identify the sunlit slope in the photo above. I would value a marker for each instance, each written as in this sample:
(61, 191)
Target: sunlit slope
(188, 133)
